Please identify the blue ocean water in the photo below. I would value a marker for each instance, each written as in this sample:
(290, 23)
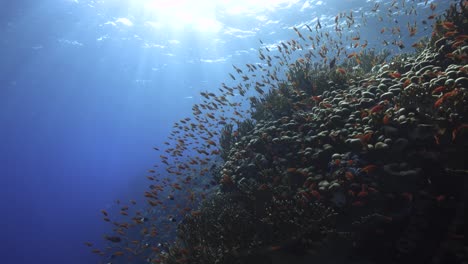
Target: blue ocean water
(87, 88)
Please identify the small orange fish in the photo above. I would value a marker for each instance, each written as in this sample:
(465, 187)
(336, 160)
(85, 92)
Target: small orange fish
(358, 204)
(211, 142)
(352, 55)
(386, 120)
(341, 70)
(461, 37)
(456, 131)
(88, 244)
(450, 55)
(362, 194)
(445, 96)
(417, 45)
(450, 34)
(129, 250)
(195, 213)
(315, 194)
(438, 89)
(395, 75)
(448, 25)
(326, 105)
(364, 114)
(376, 108)
(349, 176)
(176, 186)
(275, 248)
(406, 83)
(365, 138)
(369, 168)
(152, 203)
(457, 44)
(226, 180)
(317, 99)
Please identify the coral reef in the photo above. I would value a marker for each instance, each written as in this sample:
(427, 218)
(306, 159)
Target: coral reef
(354, 154)
(354, 160)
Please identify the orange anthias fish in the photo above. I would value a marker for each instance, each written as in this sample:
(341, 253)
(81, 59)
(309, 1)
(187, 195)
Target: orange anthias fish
(438, 89)
(450, 33)
(395, 75)
(406, 83)
(316, 98)
(386, 120)
(352, 55)
(315, 194)
(365, 138)
(463, 128)
(362, 194)
(448, 25)
(88, 244)
(376, 108)
(445, 96)
(369, 168)
(341, 70)
(349, 176)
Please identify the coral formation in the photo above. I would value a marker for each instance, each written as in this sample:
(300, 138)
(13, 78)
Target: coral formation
(364, 156)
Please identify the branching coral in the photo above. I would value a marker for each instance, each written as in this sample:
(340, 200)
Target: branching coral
(234, 228)
(229, 136)
(274, 105)
(226, 140)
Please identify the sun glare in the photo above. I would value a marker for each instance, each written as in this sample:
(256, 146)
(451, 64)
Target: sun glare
(203, 15)
(183, 14)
